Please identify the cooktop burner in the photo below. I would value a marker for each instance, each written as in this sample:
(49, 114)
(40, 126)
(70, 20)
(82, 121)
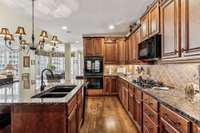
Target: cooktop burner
(148, 83)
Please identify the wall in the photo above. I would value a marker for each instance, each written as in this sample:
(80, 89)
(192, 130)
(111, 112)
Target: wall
(176, 75)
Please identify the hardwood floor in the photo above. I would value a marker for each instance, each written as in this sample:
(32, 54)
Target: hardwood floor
(106, 115)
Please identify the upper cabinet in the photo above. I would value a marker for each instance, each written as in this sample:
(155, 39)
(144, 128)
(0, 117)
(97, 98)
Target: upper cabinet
(121, 43)
(150, 22)
(144, 27)
(93, 46)
(190, 25)
(154, 19)
(110, 51)
(170, 29)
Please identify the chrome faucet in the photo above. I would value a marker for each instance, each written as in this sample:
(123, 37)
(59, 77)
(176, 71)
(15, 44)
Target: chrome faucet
(42, 78)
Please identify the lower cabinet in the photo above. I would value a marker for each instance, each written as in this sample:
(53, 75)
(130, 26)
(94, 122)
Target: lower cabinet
(172, 122)
(110, 85)
(138, 114)
(131, 101)
(72, 124)
(195, 128)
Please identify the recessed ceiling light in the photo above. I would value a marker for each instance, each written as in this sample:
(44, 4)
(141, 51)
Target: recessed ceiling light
(64, 28)
(111, 27)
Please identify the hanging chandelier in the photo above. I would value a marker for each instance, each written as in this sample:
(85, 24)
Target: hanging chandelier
(9, 39)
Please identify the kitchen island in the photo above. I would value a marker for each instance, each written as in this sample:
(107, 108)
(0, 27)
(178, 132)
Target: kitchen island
(43, 115)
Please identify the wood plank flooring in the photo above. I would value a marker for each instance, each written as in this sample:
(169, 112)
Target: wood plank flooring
(106, 115)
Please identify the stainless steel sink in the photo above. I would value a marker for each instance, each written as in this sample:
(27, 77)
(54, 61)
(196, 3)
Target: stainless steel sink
(62, 88)
(50, 95)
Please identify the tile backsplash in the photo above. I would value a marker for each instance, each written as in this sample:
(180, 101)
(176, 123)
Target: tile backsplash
(176, 75)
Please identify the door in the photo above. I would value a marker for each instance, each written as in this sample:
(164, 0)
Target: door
(121, 51)
(72, 121)
(170, 29)
(110, 52)
(132, 49)
(165, 127)
(144, 27)
(88, 46)
(138, 114)
(190, 28)
(98, 46)
(154, 20)
(131, 102)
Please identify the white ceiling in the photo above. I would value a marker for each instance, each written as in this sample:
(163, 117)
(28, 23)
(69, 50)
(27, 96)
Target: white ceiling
(81, 16)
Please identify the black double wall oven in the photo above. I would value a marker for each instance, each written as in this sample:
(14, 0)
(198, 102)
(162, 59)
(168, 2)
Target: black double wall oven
(93, 72)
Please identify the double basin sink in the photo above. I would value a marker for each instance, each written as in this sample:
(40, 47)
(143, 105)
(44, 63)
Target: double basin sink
(59, 91)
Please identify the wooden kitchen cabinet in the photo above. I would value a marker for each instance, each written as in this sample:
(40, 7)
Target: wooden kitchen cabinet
(72, 123)
(172, 122)
(190, 24)
(80, 111)
(195, 128)
(170, 29)
(132, 49)
(144, 27)
(125, 95)
(131, 101)
(121, 51)
(93, 46)
(110, 85)
(154, 19)
(138, 109)
(110, 52)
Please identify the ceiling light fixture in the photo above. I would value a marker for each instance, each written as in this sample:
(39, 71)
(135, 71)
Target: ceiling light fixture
(20, 32)
(64, 28)
(111, 27)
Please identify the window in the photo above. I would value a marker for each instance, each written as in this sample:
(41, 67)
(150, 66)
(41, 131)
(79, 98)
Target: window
(42, 62)
(59, 63)
(9, 57)
(76, 64)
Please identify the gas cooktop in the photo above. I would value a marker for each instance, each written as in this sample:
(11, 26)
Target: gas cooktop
(147, 84)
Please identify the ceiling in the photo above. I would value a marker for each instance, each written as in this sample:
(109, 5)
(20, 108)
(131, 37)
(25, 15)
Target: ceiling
(81, 16)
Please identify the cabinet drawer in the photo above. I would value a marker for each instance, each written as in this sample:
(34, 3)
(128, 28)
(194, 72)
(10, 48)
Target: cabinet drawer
(150, 113)
(150, 101)
(138, 94)
(149, 125)
(71, 104)
(178, 122)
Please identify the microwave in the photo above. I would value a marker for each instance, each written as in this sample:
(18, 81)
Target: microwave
(150, 49)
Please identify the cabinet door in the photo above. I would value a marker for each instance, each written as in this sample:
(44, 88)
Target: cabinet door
(107, 85)
(195, 128)
(165, 127)
(88, 46)
(132, 49)
(138, 114)
(114, 86)
(110, 52)
(98, 46)
(144, 27)
(72, 121)
(170, 29)
(190, 28)
(121, 51)
(131, 102)
(154, 20)
(80, 114)
(126, 98)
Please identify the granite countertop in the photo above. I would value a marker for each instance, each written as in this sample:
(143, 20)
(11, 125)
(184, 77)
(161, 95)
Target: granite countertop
(14, 94)
(176, 100)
